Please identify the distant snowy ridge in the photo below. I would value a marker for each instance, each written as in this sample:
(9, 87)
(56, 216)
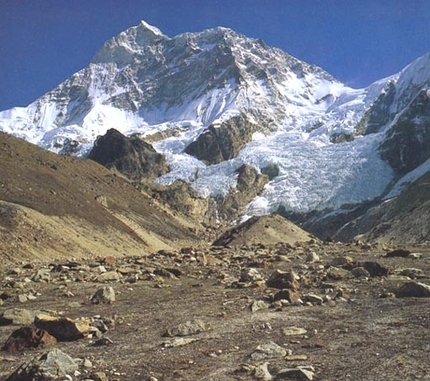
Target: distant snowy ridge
(142, 81)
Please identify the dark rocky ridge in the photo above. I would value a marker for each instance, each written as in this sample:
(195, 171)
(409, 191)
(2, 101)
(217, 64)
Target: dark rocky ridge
(223, 141)
(402, 219)
(407, 143)
(131, 156)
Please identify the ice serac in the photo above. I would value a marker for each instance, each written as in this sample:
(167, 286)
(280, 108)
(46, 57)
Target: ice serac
(214, 101)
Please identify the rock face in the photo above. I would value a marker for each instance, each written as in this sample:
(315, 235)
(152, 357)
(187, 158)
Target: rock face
(407, 144)
(181, 197)
(131, 156)
(379, 113)
(222, 141)
(228, 100)
(400, 219)
(250, 184)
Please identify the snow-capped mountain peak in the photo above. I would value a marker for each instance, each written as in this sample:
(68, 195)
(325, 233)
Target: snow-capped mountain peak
(121, 49)
(214, 100)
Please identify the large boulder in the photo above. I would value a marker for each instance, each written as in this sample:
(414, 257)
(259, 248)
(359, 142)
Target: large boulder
(28, 337)
(63, 328)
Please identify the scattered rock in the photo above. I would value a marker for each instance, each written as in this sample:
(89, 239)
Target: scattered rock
(42, 275)
(250, 275)
(341, 261)
(415, 255)
(257, 305)
(52, 365)
(261, 372)
(314, 299)
(411, 272)
(338, 273)
(398, 253)
(18, 316)
(312, 257)
(289, 295)
(178, 342)
(110, 276)
(294, 331)
(360, 272)
(104, 295)
(413, 290)
(296, 358)
(98, 376)
(28, 337)
(103, 341)
(375, 269)
(283, 280)
(188, 328)
(298, 374)
(63, 328)
(268, 351)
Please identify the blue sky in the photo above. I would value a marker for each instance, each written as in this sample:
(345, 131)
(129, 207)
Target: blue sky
(42, 42)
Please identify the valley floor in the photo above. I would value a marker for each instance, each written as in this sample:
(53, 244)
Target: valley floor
(350, 320)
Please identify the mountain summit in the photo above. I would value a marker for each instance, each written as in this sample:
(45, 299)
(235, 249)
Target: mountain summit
(216, 100)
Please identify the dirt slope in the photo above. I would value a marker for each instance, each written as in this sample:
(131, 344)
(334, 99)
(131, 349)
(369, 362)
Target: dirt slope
(266, 230)
(65, 206)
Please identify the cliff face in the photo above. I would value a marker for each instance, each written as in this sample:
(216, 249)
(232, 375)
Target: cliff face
(407, 143)
(131, 156)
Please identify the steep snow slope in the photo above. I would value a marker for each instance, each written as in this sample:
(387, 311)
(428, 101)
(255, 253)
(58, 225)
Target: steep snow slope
(175, 88)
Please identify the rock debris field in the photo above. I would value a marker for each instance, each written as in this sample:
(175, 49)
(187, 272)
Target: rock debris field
(309, 311)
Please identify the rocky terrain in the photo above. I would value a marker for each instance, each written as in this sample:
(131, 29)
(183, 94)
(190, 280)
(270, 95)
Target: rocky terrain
(309, 311)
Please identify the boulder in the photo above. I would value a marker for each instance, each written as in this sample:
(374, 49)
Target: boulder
(283, 280)
(104, 295)
(51, 365)
(28, 337)
(413, 290)
(18, 316)
(188, 328)
(63, 328)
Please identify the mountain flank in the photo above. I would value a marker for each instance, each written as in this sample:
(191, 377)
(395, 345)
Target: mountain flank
(54, 205)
